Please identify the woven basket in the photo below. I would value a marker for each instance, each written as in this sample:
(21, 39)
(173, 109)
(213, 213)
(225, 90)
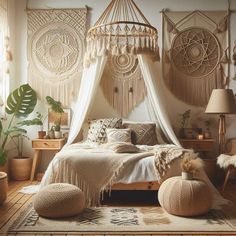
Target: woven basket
(3, 187)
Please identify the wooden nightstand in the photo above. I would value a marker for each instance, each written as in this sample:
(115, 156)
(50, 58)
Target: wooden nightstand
(204, 145)
(44, 144)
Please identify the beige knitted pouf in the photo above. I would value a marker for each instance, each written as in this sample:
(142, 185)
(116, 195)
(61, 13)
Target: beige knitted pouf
(185, 197)
(3, 187)
(59, 200)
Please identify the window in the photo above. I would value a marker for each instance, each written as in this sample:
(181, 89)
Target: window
(4, 61)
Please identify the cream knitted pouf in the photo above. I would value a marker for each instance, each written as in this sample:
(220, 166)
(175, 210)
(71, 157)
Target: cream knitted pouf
(185, 197)
(59, 200)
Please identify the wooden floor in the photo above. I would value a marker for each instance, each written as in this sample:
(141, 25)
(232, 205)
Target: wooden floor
(16, 202)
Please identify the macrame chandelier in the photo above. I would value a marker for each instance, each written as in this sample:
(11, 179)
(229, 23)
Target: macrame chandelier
(121, 29)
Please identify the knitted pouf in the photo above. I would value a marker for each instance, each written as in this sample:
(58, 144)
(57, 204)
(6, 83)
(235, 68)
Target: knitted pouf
(185, 197)
(59, 200)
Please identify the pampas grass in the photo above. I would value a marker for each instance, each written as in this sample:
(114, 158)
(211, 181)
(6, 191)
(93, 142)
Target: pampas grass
(191, 163)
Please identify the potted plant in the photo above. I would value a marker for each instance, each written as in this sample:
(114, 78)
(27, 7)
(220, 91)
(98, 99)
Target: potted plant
(56, 107)
(207, 133)
(20, 165)
(20, 103)
(184, 122)
(41, 119)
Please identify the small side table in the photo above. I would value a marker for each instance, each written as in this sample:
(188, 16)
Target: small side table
(203, 145)
(40, 145)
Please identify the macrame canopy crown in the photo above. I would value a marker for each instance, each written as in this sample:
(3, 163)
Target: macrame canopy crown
(121, 29)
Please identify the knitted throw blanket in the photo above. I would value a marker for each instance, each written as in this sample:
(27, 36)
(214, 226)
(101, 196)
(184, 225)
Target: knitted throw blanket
(95, 169)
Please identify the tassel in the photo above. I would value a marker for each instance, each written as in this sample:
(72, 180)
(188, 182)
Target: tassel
(8, 55)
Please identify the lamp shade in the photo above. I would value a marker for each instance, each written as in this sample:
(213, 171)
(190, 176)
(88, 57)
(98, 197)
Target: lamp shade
(222, 101)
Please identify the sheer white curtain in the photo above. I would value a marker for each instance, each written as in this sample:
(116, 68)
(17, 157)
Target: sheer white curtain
(89, 85)
(152, 76)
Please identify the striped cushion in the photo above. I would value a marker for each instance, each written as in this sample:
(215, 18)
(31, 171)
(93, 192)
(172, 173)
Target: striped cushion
(142, 133)
(118, 135)
(97, 129)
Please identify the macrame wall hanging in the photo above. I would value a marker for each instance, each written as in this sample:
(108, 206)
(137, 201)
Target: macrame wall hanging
(122, 83)
(122, 32)
(195, 54)
(55, 52)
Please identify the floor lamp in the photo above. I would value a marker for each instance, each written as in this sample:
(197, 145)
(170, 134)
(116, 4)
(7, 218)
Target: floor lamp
(222, 101)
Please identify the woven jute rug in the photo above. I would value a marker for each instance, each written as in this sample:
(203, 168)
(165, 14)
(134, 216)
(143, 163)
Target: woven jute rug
(113, 220)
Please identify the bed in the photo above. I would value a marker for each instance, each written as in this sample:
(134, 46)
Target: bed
(115, 156)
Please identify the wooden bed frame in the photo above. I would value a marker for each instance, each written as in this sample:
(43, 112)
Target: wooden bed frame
(137, 186)
(134, 186)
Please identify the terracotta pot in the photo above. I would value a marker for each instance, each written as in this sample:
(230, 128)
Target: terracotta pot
(41, 134)
(3, 187)
(20, 168)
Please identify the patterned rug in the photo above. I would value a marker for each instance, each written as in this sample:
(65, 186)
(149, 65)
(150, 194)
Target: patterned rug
(127, 219)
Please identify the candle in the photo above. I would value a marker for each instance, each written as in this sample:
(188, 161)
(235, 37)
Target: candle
(200, 136)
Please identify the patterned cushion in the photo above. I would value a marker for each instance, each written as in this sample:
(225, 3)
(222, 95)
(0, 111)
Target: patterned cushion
(97, 129)
(142, 133)
(118, 135)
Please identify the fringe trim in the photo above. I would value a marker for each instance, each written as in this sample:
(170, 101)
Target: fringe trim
(66, 174)
(194, 91)
(65, 91)
(102, 46)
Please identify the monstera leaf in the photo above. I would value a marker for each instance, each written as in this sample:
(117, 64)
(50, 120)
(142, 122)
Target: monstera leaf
(55, 105)
(21, 101)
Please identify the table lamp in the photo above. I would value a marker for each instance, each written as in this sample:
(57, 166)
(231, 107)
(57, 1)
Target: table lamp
(222, 101)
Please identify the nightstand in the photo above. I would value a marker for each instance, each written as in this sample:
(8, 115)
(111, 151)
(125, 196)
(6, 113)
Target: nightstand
(202, 146)
(40, 145)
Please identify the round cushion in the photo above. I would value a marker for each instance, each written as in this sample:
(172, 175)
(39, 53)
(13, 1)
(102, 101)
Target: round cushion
(185, 197)
(59, 200)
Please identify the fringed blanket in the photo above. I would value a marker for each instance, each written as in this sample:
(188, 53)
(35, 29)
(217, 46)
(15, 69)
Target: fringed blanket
(95, 169)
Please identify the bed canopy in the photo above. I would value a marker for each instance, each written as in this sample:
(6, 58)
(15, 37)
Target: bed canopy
(122, 28)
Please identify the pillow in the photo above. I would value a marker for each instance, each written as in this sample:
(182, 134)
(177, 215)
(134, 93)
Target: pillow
(97, 129)
(142, 133)
(121, 147)
(118, 135)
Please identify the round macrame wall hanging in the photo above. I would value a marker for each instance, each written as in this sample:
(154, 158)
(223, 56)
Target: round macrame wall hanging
(195, 52)
(194, 68)
(122, 83)
(57, 51)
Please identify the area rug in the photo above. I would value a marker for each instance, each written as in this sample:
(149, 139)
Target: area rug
(113, 220)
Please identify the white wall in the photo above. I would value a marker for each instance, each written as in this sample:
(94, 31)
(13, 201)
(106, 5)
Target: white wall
(151, 9)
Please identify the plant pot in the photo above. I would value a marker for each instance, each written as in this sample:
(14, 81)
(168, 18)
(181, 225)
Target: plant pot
(187, 175)
(20, 168)
(58, 134)
(41, 134)
(3, 187)
(4, 168)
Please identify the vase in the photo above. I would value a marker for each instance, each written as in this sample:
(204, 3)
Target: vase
(51, 134)
(187, 175)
